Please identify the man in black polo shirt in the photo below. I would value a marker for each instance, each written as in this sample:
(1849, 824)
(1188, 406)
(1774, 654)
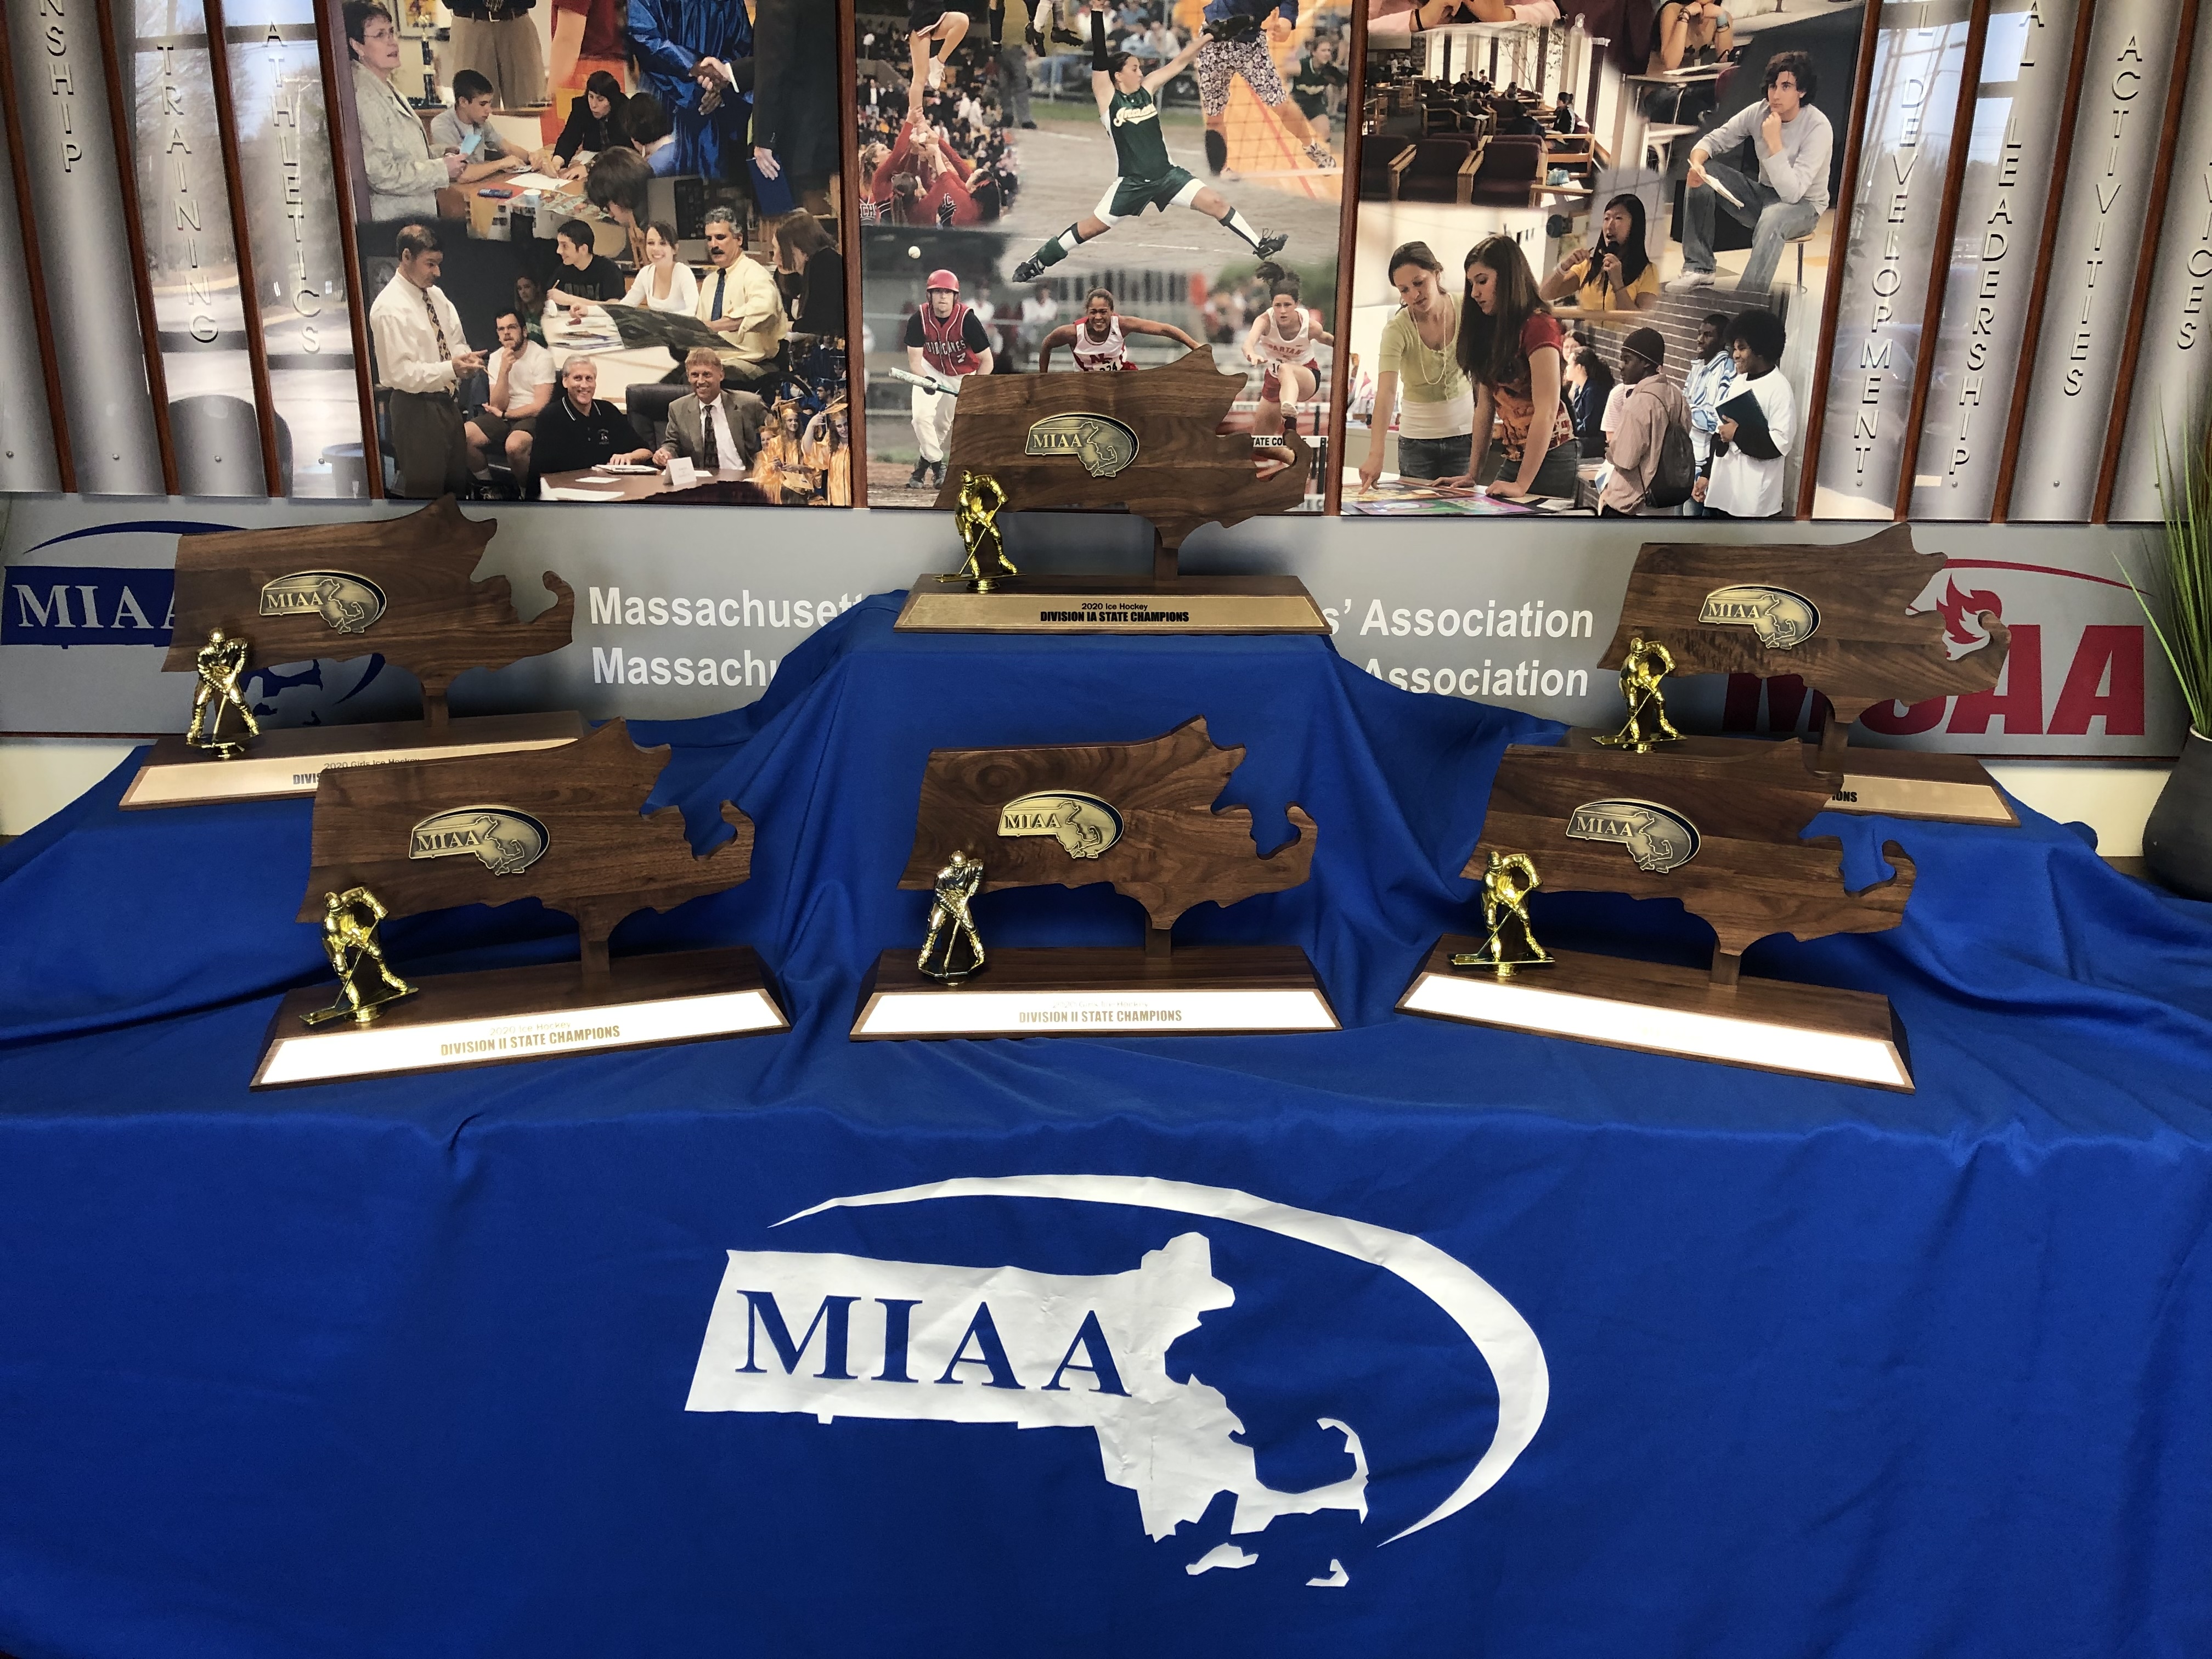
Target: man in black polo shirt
(577, 430)
(582, 277)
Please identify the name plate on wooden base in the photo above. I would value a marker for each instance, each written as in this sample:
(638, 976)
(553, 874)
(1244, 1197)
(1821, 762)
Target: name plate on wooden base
(1102, 604)
(527, 1013)
(1906, 783)
(1197, 990)
(292, 761)
(1769, 1025)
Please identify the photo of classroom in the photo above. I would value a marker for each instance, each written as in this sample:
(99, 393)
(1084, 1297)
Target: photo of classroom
(1655, 183)
(599, 244)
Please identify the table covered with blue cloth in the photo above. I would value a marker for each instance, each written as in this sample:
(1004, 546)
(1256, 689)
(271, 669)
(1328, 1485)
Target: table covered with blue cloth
(1411, 1338)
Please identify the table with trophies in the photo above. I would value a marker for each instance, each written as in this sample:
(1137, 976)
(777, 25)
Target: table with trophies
(1569, 1192)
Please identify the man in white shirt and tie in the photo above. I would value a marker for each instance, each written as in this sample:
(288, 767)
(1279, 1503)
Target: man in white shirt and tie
(421, 354)
(738, 299)
(716, 431)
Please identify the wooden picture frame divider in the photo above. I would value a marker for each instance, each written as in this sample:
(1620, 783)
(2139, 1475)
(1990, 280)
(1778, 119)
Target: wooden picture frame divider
(1816, 401)
(1348, 243)
(2046, 248)
(1939, 266)
(26, 231)
(345, 142)
(848, 225)
(249, 289)
(134, 229)
(2176, 89)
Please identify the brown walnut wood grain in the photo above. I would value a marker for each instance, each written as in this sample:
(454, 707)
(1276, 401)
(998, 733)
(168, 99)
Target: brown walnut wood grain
(436, 623)
(604, 859)
(1175, 850)
(1867, 651)
(1750, 877)
(1185, 474)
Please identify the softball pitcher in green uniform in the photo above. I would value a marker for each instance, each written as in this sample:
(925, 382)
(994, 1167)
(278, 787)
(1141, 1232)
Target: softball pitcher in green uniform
(1146, 177)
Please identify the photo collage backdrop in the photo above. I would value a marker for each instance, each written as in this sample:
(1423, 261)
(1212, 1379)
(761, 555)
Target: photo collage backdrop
(1985, 288)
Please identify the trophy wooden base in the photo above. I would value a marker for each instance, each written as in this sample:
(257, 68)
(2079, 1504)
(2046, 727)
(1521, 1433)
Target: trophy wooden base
(1103, 605)
(1769, 1025)
(1198, 990)
(1906, 783)
(525, 1013)
(1898, 783)
(289, 762)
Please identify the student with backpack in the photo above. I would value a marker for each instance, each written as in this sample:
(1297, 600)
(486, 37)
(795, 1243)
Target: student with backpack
(1654, 465)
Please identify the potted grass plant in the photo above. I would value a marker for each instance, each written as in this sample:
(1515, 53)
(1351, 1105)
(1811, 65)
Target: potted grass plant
(2178, 839)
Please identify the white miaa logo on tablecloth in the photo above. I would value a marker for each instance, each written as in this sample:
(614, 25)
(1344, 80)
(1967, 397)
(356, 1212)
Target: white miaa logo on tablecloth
(832, 1336)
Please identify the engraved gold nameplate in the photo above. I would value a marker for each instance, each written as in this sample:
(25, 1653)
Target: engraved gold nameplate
(1102, 443)
(1657, 837)
(505, 842)
(349, 603)
(1782, 619)
(1083, 825)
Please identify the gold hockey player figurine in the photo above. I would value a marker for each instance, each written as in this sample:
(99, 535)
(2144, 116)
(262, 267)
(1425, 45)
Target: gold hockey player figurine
(976, 519)
(366, 983)
(221, 664)
(953, 949)
(1506, 889)
(1648, 663)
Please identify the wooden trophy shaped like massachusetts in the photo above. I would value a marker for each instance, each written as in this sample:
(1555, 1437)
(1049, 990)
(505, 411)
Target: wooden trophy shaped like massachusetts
(1721, 833)
(1150, 441)
(562, 826)
(400, 587)
(1837, 622)
(1138, 817)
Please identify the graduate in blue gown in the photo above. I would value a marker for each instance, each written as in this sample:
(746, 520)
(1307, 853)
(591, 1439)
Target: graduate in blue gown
(689, 55)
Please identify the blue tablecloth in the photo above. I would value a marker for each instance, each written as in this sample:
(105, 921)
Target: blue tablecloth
(402, 1366)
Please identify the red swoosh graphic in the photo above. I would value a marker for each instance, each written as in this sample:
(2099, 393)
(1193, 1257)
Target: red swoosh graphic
(2037, 569)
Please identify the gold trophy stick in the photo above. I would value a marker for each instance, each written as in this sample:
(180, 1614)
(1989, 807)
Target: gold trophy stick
(949, 924)
(976, 519)
(1506, 889)
(366, 983)
(221, 664)
(1647, 664)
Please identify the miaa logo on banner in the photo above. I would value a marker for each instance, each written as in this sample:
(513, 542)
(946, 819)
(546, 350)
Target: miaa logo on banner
(834, 1336)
